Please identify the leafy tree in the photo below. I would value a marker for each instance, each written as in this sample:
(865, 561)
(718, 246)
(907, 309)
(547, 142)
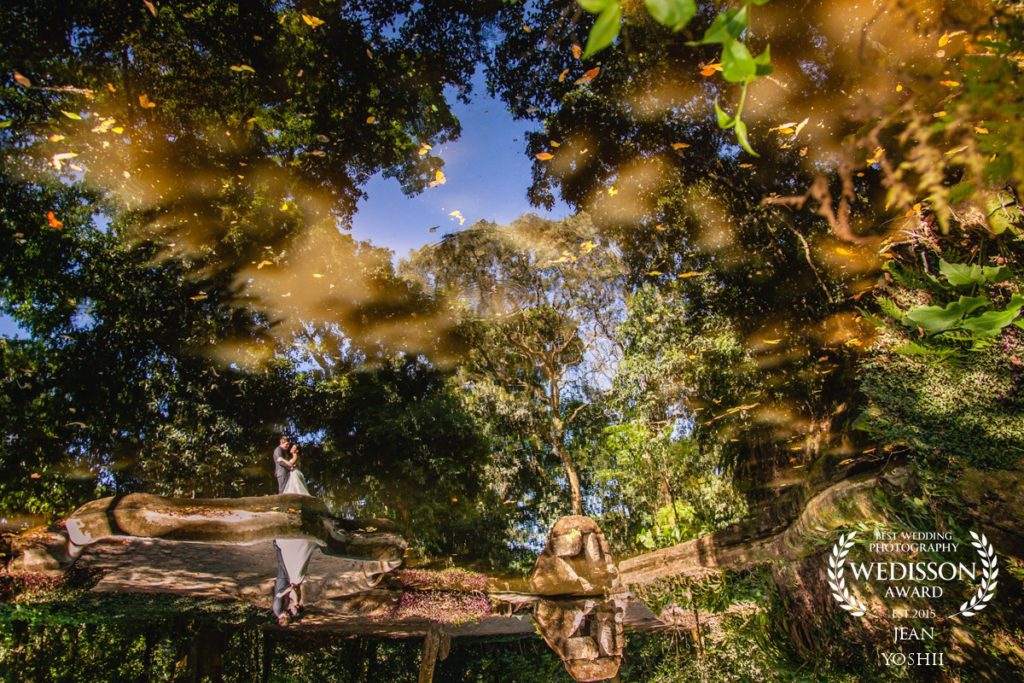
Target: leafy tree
(539, 301)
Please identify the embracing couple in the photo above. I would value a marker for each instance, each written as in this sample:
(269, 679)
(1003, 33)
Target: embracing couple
(286, 468)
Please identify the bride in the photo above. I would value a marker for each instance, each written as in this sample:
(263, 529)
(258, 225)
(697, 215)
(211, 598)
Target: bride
(296, 480)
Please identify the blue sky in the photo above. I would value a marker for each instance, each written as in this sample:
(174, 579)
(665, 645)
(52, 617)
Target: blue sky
(488, 172)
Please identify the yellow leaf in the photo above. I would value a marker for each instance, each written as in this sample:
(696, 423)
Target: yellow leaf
(527, 28)
(561, 76)
(439, 179)
(843, 251)
(22, 80)
(285, 205)
(71, 115)
(787, 130)
(242, 67)
(111, 88)
(577, 51)
(318, 275)
(771, 341)
(956, 150)
(939, 114)
(708, 70)
(458, 214)
(312, 21)
(689, 274)
(899, 87)
(56, 137)
(150, 6)
(371, 119)
(649, 318)
(544, 156)
(680, 145)
(588, 246)
(263, 264)
(54, 222)
(875, 156)
(981, 130)
(555, 143)
(118, 129)
(588, 75)
(660, 228)
(612, 191)
(199, 297)
(424, 148)
(56, 159)
(654, 272)
(950, 84)
(145, 102)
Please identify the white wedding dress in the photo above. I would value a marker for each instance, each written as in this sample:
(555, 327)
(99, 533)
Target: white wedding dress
(296, 483)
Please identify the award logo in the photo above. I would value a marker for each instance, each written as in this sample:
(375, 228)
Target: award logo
(917, 577)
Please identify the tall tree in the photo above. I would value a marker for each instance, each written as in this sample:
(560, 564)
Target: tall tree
(539, 302)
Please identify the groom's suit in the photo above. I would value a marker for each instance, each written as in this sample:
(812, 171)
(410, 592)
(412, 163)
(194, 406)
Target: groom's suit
(280, 471)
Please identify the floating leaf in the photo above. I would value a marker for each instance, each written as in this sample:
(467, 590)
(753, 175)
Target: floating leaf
(709, 70)
(981, 130)
(200, 296)
(371, 119)
(22, 80)
(71, 115)
(439, 179)
(577, 51)
(150, 6)
(588, 75)
(57, 159)
(687, 275)
(242, 67)
(145, 102)
(950, 84)
(458, 214)
(312, 21)
(680, 145)
(424, 148)
(5, 124)
(875, 156)
(561, 76)
(544, 156)
(263, 264)
(54, 222)
(111, 88)
(554, 143)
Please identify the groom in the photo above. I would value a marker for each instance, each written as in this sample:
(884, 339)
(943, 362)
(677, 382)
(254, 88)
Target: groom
(281, 466)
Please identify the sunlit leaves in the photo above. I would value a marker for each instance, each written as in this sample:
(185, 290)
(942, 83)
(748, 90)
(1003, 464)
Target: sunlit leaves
(311, 21)
(674, 14)
(439, 179)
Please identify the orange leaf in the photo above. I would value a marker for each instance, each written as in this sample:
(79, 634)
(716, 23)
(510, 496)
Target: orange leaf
(544, 156)
(145, 102)
(680, 145)
(577, 51)
(54, 222)
(111, 88)
(22, 80)
(150, 6)
(312, 21)
(588, 75)
(688, 274)
(371, 119)
(709, 70)
(950, 84)
(561, 76)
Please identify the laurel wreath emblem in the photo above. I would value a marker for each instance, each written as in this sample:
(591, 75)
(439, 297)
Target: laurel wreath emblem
(837, 580)
(987, 589)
